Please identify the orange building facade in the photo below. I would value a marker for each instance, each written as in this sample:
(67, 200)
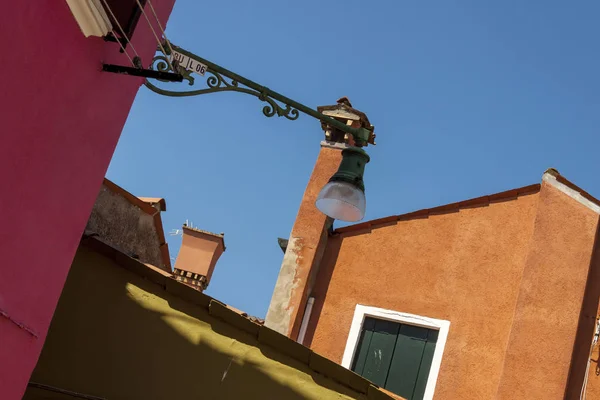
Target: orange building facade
(497, 296)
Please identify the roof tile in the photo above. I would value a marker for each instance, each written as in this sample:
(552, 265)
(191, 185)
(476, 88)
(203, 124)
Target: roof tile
(446, 208)
(219, 310)
(504, 196)
(137, 267)
(146, 207)
(410, 215)
(573, 186)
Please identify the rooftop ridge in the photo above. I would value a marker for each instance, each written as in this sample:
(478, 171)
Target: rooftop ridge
(481, 201)
(133, 199)
(550, 175)
(554, 178)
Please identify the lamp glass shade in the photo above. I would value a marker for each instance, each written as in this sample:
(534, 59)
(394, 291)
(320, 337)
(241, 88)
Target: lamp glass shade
(342, 201)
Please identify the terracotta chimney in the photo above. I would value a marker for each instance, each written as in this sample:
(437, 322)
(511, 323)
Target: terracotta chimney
(308, 239)
(199, 253)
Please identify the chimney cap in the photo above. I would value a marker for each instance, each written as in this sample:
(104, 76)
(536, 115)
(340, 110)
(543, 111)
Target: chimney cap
(203, 232)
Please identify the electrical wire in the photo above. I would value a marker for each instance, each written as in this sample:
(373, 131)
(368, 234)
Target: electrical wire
(115, 35)
(160, 44)
(160, 26)
(154, 33)
(123, 48)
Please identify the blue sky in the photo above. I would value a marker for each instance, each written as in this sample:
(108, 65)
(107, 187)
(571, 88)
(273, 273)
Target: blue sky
(467, 99)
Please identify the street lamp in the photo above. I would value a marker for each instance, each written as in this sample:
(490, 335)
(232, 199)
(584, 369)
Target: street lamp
(343, 197)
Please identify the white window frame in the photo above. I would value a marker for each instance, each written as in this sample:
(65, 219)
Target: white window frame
(361, 312)
(91, 17)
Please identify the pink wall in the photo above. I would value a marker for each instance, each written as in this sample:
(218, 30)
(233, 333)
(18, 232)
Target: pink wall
(61, 118)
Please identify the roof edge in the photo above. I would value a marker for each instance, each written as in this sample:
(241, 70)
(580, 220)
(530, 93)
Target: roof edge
(155, 201)
(554, 178)
(482, 201)
(239, 320)
(133, 199)
(147, 207)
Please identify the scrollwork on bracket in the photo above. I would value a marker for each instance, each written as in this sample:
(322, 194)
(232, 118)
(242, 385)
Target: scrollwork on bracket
(217, 82)
(161, 63)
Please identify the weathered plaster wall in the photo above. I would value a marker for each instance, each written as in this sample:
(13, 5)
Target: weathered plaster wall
(584, 362)
(509, 276)
(593, 378)
(126, 226)
(304, 251)
(544, 328)
(61, 120)
(463, 266)
(117, 335)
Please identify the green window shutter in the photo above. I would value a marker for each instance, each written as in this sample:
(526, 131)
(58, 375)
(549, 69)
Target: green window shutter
(380, 351)
(404, 370)
(395, 356)
(425, 364)
(360, 355)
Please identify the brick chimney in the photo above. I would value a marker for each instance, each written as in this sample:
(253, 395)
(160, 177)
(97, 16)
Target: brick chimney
(199, 253)
(308, 238)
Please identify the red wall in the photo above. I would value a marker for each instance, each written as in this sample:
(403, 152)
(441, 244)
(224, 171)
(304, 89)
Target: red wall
(61, 118)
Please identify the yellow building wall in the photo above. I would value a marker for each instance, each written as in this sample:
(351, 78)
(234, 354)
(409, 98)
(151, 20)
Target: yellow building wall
(116, 335)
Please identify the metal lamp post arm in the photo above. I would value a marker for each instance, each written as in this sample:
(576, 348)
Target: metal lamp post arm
(216, 82)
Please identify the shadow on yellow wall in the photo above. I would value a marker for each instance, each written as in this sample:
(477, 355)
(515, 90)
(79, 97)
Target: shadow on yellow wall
(116, 335)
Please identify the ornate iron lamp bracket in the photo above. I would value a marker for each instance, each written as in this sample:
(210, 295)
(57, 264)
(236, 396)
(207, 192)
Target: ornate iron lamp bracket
(223, 80)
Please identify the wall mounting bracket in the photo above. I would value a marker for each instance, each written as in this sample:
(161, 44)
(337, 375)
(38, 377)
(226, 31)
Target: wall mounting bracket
(146, 73)
(223, 80)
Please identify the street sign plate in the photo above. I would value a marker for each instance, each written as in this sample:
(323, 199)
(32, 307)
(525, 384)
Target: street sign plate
(189, 63)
